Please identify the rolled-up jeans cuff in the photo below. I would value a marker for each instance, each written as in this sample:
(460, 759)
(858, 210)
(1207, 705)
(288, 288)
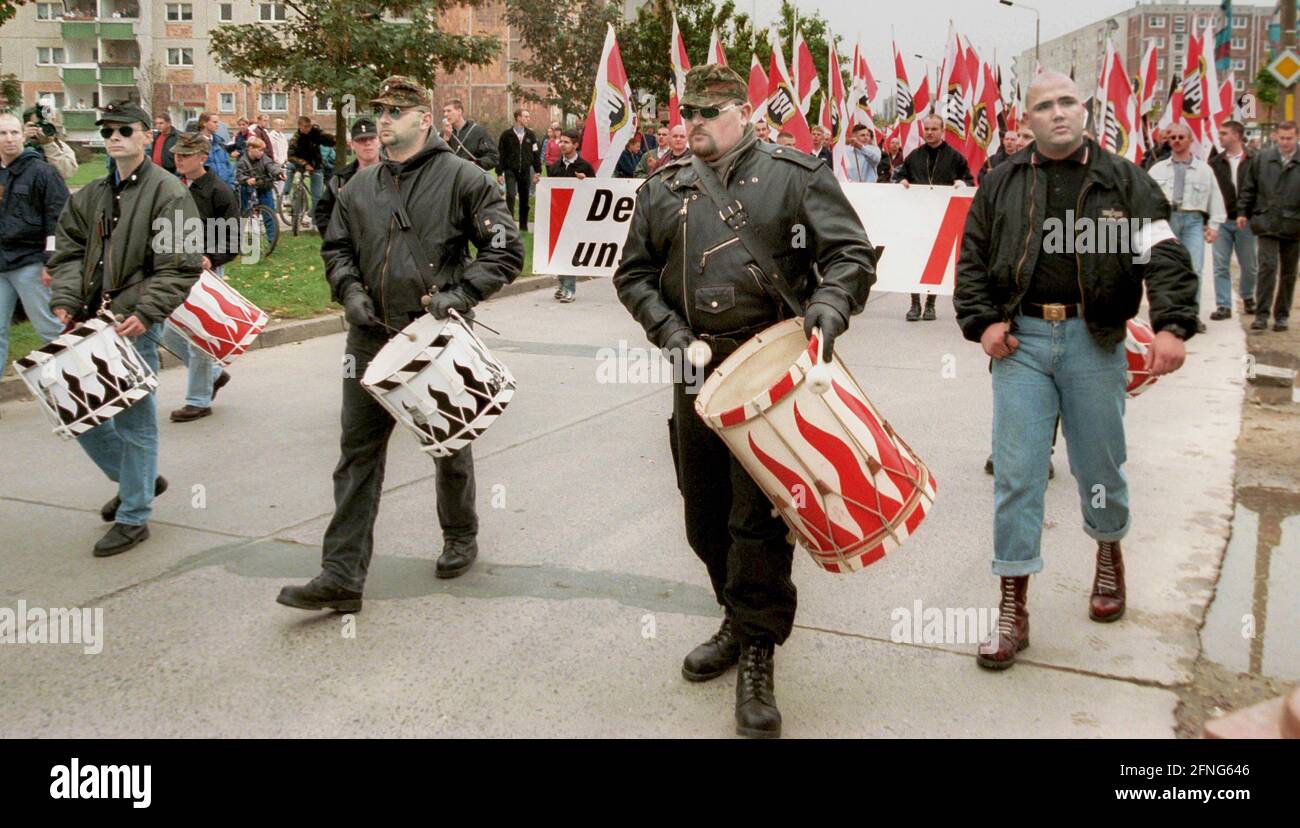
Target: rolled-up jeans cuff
(1014, 569)
(1116, 535)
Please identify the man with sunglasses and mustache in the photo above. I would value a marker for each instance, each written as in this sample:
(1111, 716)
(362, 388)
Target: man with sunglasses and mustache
(790, 244)
(104, 252)
(397, 242)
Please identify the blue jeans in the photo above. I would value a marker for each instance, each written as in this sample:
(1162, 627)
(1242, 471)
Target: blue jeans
(317, 181)
(1243, 241)
(25, 283)
(1189, 227)
(267, 200)
(569, 283)
(203, 369)
(1058, 368)
(126, 447)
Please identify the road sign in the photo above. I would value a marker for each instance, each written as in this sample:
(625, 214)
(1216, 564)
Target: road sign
(1286, 67)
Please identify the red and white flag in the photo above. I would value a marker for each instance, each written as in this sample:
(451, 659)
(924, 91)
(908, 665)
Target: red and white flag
(921, 106)
(984, 134)
(838, 123)
(1147, 81)
(757, 90)
(783, 112)
(862, 91)
(609, 123)
(1200, 91)
(680, 64)
(716, 54)
(805, 73)
(951, 94)
(904, 104)
(1118, 131)
(1227, 103)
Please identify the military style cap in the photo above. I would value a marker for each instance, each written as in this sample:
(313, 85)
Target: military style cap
(714, 85)
(401, 91)
(364, 127)
(123, 112)
(191, 143)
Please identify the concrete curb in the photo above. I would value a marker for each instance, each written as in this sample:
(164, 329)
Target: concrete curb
(295, 330)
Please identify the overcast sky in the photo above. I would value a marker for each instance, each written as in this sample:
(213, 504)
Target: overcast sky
(921, 26)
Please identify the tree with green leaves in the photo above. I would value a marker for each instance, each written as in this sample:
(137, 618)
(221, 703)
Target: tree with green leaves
(345, 48)
(563, 42)
(1267, 91)
(646, 41)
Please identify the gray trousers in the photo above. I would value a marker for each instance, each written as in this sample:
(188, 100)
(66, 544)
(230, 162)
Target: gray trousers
(1276, 254)
(359, 476)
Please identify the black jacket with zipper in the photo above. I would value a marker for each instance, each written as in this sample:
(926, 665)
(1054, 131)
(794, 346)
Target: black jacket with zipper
(516, 157)
(1270, 195)
(1227, 186)
(683, 268)
(33, 196)
(220, 213)
(1004, 236)
(449, 204)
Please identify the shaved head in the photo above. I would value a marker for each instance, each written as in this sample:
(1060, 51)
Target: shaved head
(1056, 114)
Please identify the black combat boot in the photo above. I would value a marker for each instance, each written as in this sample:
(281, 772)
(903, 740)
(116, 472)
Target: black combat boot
(929, 315)
(458, 555)
(318, 594)
(915, 312)
(756, 713)
(714, 657)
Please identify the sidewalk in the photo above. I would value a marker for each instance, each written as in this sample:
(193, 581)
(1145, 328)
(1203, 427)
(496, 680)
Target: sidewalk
(586, 597)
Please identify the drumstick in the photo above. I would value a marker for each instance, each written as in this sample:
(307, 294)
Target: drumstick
(698, 353)
(819, 376)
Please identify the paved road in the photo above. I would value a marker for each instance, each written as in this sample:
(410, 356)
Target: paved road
(586, 598)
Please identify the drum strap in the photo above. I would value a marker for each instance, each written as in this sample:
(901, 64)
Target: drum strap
(733, 214)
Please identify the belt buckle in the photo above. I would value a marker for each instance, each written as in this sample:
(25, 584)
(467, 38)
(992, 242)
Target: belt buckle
(1054, 313)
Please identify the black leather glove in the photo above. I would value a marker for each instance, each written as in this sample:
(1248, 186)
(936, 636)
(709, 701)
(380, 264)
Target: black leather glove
(358, 308)
(831, 322)
(444, 301)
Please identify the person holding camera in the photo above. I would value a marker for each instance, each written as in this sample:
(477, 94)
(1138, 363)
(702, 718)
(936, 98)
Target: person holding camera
(42, 133)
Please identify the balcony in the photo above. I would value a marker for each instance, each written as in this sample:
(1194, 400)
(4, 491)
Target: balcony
(80, 75)
(117, 30)
(116, 75)
(79, 30)
(79, 120)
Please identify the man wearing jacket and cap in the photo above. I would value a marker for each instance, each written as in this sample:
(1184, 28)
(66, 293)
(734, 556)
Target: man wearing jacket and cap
(687, 274)
(399, 239)
(1052, 318)
(104, 252)
(365, 146)
(220, 213)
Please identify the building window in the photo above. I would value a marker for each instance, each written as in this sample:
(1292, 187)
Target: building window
(180, 56)
(1159, 41)
(1240, 86)
(1239, 65)
(180, 12)
(54, 100)
(273, 102)
(322, 103)
(50, 56)
(1156, 21)
(226, 102)
(1240, 22)
(1160, 64)
(1239, 43)
(226, 12)
(271, 12)
(49, 11)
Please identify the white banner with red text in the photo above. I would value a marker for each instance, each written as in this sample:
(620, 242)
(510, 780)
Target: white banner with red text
(580, 228)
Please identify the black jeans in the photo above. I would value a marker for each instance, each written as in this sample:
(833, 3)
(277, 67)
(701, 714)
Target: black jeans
(1276, 254)
(518, 183)
(359, 476)
(730, 526)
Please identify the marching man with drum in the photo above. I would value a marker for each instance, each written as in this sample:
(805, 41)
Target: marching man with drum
(721, 246)
(1053, 322)
(399, 240)
(104, 257)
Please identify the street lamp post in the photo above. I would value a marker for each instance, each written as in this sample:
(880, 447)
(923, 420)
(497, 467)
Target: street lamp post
(1038, 25)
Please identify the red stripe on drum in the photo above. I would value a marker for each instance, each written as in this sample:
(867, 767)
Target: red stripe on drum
(735, 416)
(783, 387)
(872, 555)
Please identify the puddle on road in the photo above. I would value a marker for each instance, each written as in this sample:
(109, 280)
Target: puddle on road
(1253, 625)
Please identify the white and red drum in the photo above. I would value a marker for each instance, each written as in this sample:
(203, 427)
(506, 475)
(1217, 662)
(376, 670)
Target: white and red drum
(844, 482)
(86, 376)
(217, 320)
(440, 381)
(1137, 348)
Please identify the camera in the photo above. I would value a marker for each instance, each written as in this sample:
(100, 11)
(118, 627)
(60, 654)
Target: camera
(42, 114)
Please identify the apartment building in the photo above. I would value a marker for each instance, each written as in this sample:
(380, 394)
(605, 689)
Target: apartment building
(78, 54)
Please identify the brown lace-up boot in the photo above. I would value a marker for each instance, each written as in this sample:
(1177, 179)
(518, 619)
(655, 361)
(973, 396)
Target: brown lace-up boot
(998, 651)
(1107, 601)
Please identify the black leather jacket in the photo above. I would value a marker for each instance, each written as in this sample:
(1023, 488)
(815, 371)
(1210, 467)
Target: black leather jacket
(684, 269)
(1004, 237)
(449, 203)
(1270, 195)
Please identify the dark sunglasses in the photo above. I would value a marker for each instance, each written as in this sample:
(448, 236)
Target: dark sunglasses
(126, 130)
(707, 112)
(393, 112)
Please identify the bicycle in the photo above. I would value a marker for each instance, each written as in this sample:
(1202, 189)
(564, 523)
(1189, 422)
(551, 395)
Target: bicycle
(295, 211)
(257, 227)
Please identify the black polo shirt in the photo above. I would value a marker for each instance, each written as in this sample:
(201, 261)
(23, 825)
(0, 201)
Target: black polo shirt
(1056, 273)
